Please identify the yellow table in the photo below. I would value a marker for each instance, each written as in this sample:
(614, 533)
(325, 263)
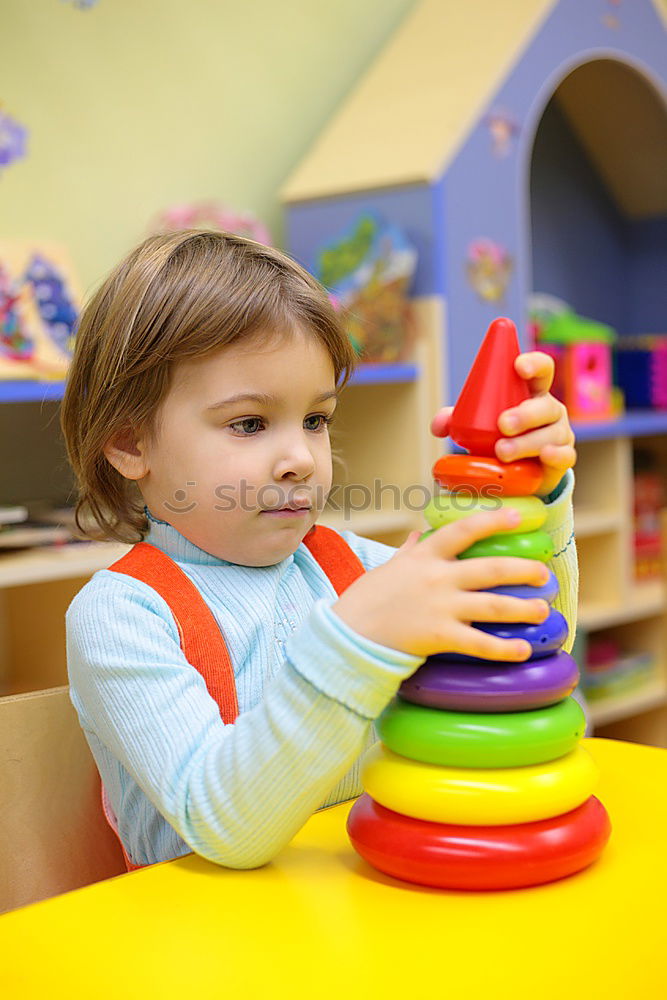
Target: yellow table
(318, 922)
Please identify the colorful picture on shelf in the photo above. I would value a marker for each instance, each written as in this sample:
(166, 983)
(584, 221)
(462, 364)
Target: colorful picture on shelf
(489, 267)
(39, 305)
(212, 215)
(503, 130)
(609, 17)
(368, 271)
(13, 139)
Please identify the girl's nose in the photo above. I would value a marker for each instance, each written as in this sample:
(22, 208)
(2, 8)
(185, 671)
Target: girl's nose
(295, 459)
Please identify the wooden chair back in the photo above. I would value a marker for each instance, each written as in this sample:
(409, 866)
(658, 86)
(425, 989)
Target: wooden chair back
(53, 833)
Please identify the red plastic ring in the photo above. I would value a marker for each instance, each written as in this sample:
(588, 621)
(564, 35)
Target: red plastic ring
(450, 856)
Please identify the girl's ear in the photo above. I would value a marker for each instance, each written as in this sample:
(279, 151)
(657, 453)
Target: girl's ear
(127, 453)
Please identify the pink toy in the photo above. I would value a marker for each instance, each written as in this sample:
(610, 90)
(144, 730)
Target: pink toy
(588, 381)
(581, 349)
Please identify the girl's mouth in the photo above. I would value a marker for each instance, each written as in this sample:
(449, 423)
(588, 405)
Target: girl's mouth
(288, 512)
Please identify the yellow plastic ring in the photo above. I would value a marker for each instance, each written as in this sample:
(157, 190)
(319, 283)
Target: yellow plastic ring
(444, 508)
(478, 796)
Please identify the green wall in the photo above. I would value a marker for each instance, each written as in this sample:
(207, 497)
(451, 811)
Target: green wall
(135, 105)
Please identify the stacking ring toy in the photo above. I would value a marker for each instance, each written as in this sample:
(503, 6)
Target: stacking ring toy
(492, 686)
(532, 545)
(473, 739)
(547, 591)
(477, 473)
(544, 639)
(478, 796)
(444, 508)
(479, 857)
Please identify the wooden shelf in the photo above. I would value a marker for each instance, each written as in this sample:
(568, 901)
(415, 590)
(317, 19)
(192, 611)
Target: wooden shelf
(591, 521)
(645, 601)
(607, 710)
(34, 391)
(59, 562)
(375, 522)
(385, 374)
(633, 423)
(62, 562)
(29, 391)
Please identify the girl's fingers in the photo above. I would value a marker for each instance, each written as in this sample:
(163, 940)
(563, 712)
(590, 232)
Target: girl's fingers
(537, 369)
(559, 457)
(452, 539)
(555, 462)
(474, 642)
(411, 540)
(531, 444)
(481, 607)
(535, 412)
(488, 571)
(440, 422)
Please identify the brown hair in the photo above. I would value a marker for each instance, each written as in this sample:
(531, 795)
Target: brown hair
(176, 296)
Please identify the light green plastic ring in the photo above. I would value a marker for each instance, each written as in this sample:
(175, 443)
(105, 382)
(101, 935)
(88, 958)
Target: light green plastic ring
(445, 508)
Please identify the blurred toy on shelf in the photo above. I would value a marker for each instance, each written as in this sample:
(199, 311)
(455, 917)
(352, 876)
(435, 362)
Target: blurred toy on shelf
(641, 370)
(37, 525)
(39, 305)
(368, 271)
(13, 514)
(649, 500)
(609, 670)
(582, 352)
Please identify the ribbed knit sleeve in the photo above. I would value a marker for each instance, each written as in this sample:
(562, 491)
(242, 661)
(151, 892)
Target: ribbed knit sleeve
(235, 794)
(560, 525)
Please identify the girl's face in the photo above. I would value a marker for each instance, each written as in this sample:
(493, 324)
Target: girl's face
(240, 462)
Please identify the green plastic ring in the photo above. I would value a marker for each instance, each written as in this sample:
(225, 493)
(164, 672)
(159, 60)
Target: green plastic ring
(481, 739)
(531, 545)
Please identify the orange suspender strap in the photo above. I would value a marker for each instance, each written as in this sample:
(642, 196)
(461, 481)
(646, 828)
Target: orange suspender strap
(201, 640)
(341, 565)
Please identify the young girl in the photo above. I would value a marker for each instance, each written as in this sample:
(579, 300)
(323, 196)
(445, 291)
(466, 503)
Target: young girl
(205, 376)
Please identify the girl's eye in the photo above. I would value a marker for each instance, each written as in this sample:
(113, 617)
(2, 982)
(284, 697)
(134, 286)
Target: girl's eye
(249, 426)
(322, 421)
(245, 427)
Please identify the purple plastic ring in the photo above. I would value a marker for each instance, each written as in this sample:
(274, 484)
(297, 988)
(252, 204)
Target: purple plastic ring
(547, 592)
(544, 639)
(492, 687)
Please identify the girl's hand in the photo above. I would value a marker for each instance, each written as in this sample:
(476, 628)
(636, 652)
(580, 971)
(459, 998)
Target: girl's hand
(537, 428)
(423, 600)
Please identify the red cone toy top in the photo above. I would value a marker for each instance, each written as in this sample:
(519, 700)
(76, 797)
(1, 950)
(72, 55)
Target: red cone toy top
(491, 387)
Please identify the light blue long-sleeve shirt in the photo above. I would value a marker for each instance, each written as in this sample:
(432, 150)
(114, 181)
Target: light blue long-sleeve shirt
(308, 687)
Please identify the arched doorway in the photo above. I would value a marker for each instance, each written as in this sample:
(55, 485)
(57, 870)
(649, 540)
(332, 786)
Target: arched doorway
(598, 197)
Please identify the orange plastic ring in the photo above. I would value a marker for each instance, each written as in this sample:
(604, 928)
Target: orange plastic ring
(482, 474)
